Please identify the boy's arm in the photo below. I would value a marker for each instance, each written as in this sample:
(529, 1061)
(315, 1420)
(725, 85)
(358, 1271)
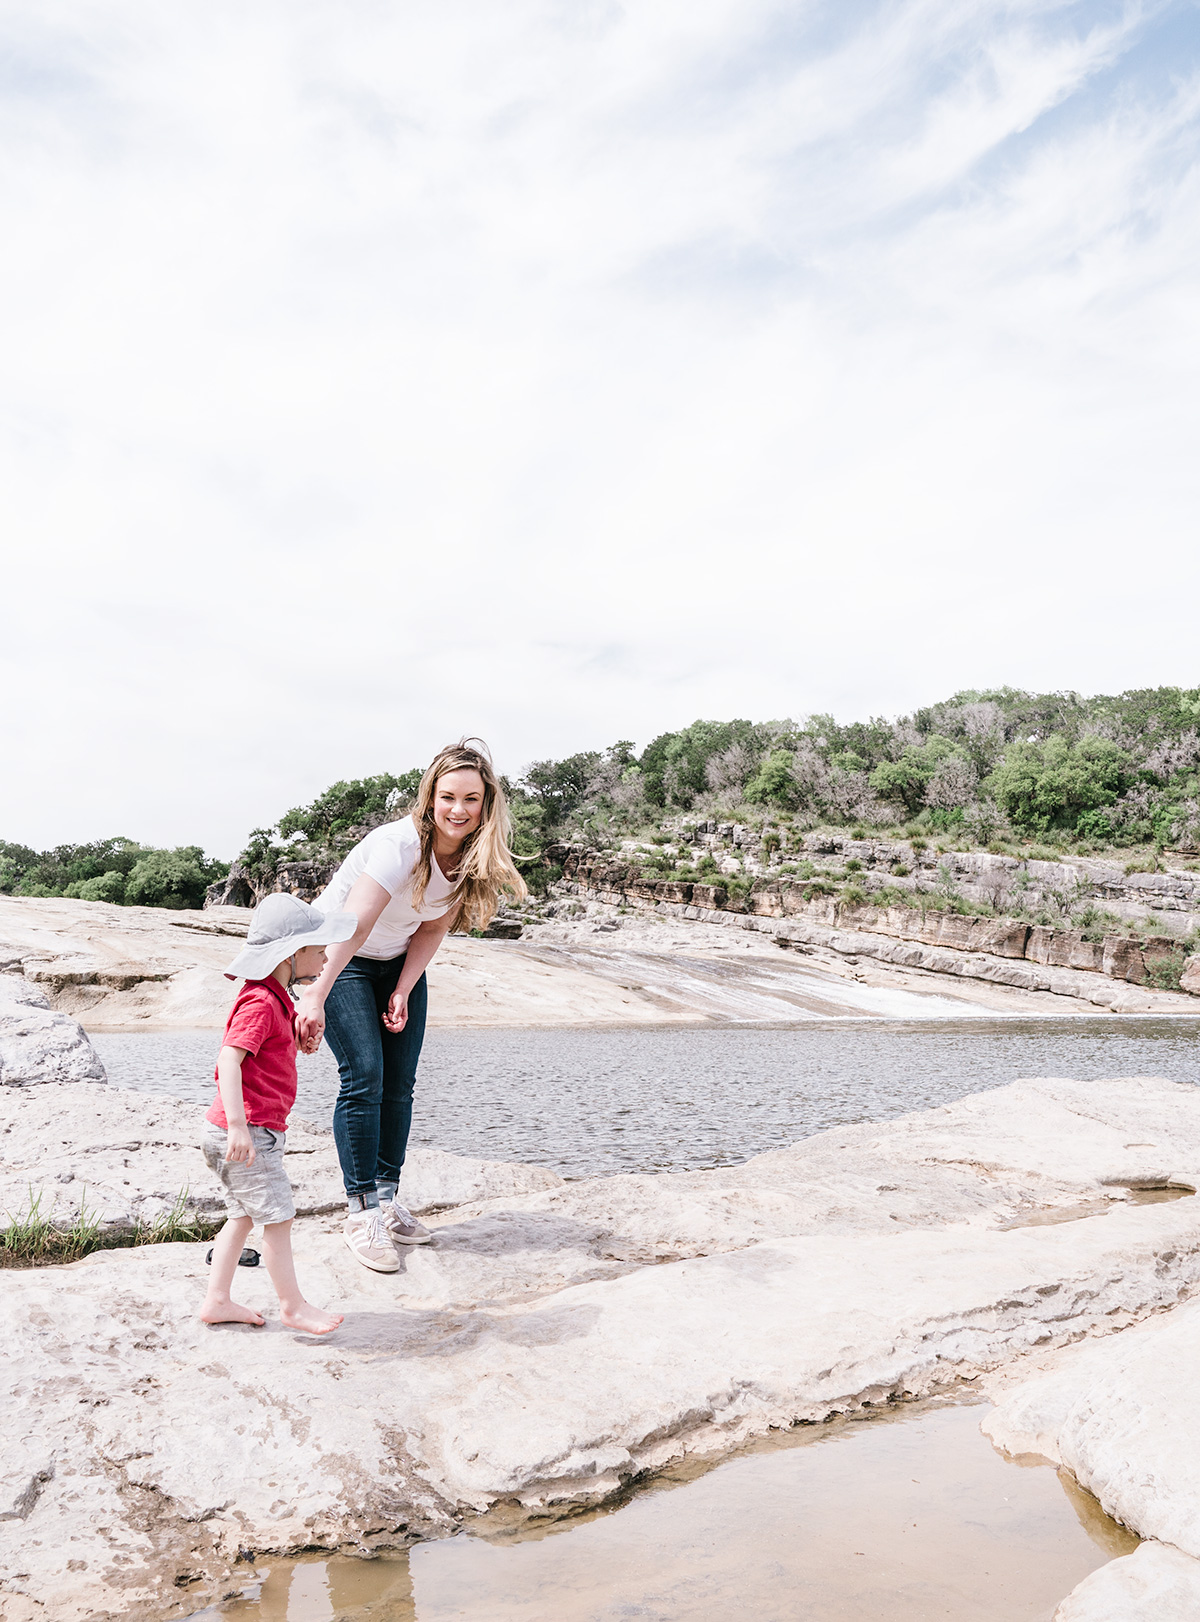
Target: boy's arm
(239, 1145)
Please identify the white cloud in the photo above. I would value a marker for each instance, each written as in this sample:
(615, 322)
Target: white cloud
(561, 373)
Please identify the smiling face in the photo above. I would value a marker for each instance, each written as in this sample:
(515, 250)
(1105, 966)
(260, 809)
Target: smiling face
(458, 805)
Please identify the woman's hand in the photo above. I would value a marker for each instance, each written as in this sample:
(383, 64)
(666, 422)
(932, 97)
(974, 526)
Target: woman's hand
(310, 1023)
(396, 1017)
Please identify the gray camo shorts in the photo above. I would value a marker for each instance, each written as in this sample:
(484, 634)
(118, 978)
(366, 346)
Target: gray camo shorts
(262, 1191)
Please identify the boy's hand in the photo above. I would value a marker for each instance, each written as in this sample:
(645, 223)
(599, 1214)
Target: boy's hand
(310, 1024)
(239, 1146)
(396, 1017)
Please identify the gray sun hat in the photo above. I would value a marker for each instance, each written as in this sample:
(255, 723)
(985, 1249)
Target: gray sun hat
(280, 926)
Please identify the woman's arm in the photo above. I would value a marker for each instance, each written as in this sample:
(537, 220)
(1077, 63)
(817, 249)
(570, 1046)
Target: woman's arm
(366, 901)
(424, 943)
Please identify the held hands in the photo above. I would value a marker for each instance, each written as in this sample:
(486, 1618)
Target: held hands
(238, 1144)
(396, 1017)
(310, 1024)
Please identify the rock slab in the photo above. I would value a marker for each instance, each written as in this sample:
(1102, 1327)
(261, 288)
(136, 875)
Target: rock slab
(39, 1044)
(545, 1351)
(1123, 1415)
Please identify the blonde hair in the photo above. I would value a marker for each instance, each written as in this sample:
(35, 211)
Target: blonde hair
(486, 866)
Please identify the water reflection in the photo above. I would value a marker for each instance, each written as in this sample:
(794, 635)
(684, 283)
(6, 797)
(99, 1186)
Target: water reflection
(897, 1519)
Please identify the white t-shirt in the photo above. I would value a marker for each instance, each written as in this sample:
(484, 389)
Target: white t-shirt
(389, 855)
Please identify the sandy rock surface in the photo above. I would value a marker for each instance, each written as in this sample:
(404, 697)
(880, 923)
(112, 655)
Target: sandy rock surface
(38, 1043)
(150, 968)
(546, 1347)
(126, 1155)
(154, 969)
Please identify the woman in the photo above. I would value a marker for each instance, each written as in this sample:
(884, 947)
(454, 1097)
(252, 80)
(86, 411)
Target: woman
(408, 883)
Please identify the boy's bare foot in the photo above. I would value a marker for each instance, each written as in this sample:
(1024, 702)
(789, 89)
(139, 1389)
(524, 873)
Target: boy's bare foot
(309, 1318)
(230, 1312)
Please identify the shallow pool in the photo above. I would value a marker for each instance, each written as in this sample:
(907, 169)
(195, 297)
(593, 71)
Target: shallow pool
(908, 1516)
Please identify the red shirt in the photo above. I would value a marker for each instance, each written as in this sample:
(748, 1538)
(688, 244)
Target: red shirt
(262, 1022)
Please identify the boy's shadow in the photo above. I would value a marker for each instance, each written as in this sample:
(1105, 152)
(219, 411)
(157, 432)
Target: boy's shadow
(407, 1333)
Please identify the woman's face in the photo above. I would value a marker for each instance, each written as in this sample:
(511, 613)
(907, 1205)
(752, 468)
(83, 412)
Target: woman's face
(458, 804)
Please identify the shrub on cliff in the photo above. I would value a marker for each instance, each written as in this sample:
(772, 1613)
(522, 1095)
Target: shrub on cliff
(775, 782)
(907, 780)
(108, 886)
(358, 803)
(1053, 784)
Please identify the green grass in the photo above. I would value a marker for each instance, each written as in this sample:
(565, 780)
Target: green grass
(34, 1240)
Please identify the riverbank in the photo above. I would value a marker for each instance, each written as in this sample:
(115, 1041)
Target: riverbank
(559, 1341)
(591, 959)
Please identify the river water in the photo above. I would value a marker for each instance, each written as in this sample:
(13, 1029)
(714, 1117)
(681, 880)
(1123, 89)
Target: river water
(589, 1103)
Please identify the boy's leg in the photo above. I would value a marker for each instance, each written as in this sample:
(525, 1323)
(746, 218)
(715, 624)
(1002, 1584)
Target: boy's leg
(219, 1307)
(294, 1310)
(353, 1032)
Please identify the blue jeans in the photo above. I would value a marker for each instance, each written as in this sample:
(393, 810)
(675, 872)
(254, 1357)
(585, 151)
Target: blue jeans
(378, 1067)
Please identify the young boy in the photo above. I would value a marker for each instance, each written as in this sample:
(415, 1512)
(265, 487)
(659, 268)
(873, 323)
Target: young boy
(256, 1081)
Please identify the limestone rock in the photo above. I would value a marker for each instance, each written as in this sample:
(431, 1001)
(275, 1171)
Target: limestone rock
(176, 1445)
(1190, 980)
(546, 1349)
(1153, 1584)
(38, 1044)
(1123, 1416)
(125, 1156)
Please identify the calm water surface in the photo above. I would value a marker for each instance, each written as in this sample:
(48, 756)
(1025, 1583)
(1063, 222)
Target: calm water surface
(905, 1518)
(593, 1102)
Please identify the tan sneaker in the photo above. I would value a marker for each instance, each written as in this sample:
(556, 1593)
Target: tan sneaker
(367, 1239)
(402, 1227)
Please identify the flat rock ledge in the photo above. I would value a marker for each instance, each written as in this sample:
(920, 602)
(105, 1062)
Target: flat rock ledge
(558, 1342)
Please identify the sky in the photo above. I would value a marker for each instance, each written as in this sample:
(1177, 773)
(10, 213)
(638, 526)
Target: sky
(563, 371)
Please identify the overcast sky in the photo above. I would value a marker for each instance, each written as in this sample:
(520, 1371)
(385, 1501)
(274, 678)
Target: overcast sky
(564, 370)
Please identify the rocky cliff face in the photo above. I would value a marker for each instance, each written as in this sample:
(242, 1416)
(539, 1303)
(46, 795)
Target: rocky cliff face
(242, 888)
(1153, 961)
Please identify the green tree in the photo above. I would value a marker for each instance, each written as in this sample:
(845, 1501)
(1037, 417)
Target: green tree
(559, 786)
(172, 878)
(775, 783)
(351, 804)
(674, 765)
(906, 779)
(1050, 784)
(15, 862)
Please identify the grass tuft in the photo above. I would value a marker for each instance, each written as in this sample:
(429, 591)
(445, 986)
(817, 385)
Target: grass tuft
(34, 1240)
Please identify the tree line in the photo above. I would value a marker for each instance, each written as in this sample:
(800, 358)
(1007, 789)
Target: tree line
(118, 870)
(1094, 772)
